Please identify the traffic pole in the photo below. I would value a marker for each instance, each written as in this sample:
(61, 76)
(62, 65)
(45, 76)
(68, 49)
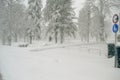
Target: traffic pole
(115, 30)
(115, 50)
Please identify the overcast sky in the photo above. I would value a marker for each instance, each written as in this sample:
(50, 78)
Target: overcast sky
(77, 4)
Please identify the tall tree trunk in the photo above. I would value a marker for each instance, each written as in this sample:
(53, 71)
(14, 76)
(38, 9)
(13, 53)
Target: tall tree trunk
(9, 40)
(88, 25)
(50, 38)
(102, 37)
(102, 21)
(39, 35)
(30, 37)
(3, 38)
(24, 38)
(16, 37)
(56, 34)
(61, 36)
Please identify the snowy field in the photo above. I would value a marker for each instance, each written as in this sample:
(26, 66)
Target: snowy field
(57, 62)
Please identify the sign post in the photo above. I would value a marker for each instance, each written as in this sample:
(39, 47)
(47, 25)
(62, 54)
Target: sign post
(116, 51)
(115, 30)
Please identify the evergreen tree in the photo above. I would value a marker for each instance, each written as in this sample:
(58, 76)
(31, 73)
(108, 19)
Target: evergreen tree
(34, 11)
(104, 11)
(11, 16)
(59, 16)
(84, 20)
(98, 11)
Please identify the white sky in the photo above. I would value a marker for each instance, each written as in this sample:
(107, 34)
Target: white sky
(77, 4)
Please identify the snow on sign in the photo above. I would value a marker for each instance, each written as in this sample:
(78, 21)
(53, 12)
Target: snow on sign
(115, 18)
(115, 28)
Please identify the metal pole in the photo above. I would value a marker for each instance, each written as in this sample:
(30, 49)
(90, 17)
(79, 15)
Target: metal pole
(115, 50)
(116, 54)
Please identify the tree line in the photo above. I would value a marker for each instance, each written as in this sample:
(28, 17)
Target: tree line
(95, 19)
(54, 22)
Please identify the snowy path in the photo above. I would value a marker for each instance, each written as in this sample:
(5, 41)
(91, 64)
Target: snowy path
(69, 63)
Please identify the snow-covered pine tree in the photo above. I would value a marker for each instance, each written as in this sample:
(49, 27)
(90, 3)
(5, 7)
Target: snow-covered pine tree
(95, 24)
(84, 20)
(19, 14)
(99, 10)
(83, 28)
(2, 12)
(104, 11)
(34, 11)
(8, 20)
(59, 16)
(12, 15)
(101, 15)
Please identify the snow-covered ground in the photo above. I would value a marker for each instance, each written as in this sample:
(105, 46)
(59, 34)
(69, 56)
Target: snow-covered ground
(57, 62)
